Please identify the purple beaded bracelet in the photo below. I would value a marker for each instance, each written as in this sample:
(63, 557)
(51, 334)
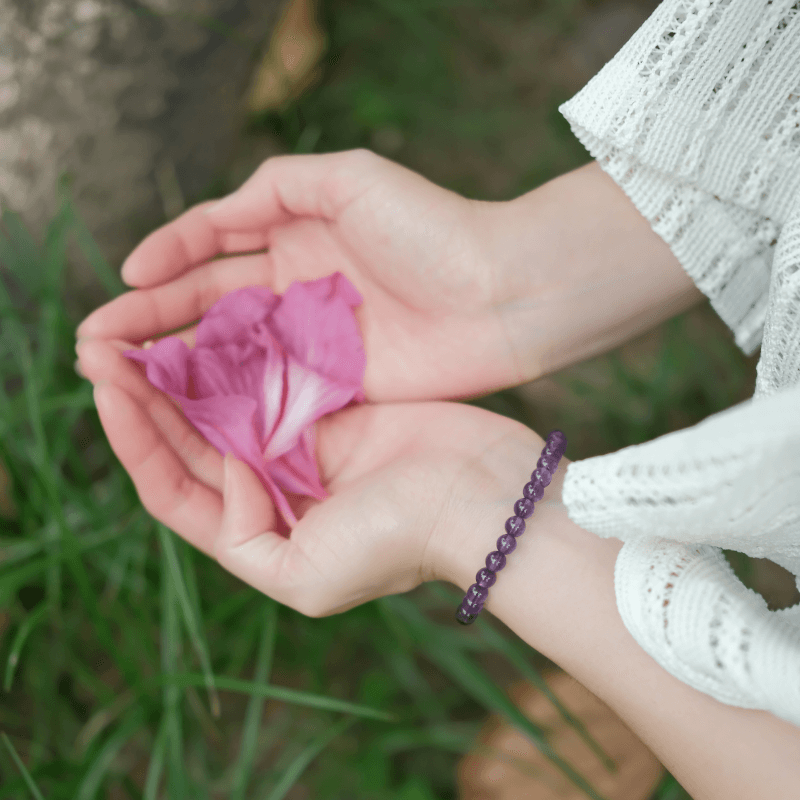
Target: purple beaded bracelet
(476, 595)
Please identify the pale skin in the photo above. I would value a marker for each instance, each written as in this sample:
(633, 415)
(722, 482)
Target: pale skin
(461, 298)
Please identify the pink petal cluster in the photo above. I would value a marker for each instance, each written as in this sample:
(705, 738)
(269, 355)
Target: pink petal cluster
(263, 369)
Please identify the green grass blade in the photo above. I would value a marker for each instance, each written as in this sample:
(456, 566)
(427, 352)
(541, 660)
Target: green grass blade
(170, 648)
(21, 254)
(456, 737)
(55, 248)
(64, 547)
(231, 606)
(239, 653)
(76, 401)
(282, 693)
(34, 790)
(11, 581)
(28, 624)
(13, 551)
(400, 661)
(110, 279)
(41, 460)
(476, 683)
(315, 747)
(416, 23)
(514, 653)
(98, 769)
(189, 615)
(243, 769)
(156, 766)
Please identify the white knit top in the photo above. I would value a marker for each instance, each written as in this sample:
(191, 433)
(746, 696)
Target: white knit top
(697, 119)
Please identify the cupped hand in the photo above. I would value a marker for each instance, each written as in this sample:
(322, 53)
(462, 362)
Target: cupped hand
(416, 252)
(410, 486)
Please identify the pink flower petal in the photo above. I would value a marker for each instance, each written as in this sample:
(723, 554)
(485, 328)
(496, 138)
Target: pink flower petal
(264, 368)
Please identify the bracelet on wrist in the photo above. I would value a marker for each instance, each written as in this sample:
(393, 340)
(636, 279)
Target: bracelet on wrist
(474, 599)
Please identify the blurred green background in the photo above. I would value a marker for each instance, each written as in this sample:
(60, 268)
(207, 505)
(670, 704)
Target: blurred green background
(97, 601)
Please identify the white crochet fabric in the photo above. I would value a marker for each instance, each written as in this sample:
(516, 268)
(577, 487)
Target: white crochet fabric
(697, 119)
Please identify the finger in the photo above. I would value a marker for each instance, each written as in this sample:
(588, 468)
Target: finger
(166, 488)
(103, 360)
(250, 548)
(148, 313)
(288, 186)
(186, 242)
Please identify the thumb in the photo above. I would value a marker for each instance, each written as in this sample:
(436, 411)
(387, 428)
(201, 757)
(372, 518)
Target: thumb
(248, 545)
(247, 508)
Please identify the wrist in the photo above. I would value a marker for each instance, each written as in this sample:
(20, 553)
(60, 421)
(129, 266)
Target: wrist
(556, 592)
(579, 271)
(557, 567)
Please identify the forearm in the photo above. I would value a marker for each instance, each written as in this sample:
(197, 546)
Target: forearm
(580, 271)
(557, 593)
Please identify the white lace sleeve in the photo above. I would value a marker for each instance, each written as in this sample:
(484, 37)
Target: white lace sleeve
(731, 481)
(697, 118)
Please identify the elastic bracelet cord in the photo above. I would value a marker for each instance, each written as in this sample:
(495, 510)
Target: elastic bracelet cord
(474, 599)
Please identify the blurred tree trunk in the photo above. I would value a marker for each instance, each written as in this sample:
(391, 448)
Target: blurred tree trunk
(140, 101)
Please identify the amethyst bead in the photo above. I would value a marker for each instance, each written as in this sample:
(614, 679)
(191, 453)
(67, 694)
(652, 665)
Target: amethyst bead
(548, 462)
(472, 604)
(507, 543)
(495, 561)
(523, 507)
(553, 450)
(466, 617)
(485, 577)
(555, 444)
(533, 491)
(476, 595)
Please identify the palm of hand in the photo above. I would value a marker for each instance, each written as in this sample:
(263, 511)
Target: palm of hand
(403, 480)
(408, 247)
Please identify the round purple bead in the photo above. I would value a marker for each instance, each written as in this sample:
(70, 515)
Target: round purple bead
(554, 450)
(471, 605)
(477, 595)
(523, 507)
(466, 617)
(548, 462)
(556, 444)
(507, 543)
(485, 577)
(495, 561)
(533, 491)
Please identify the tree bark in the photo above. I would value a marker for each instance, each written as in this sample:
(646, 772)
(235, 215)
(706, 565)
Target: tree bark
(139, 101)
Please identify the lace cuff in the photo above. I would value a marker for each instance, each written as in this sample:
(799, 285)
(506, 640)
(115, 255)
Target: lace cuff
(686, 608)
(696, 118)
